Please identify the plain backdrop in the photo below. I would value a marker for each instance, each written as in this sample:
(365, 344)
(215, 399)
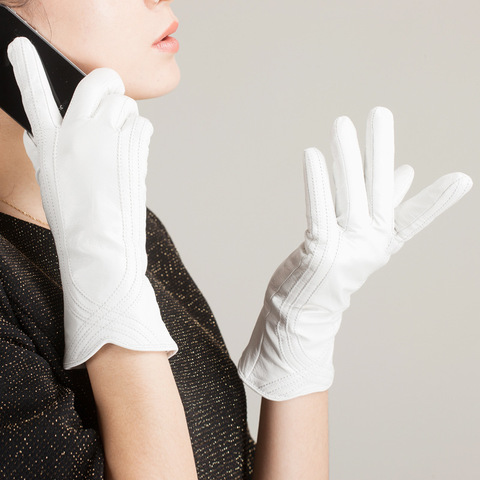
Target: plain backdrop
(262, 81)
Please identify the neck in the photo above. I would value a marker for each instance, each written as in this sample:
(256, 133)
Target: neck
(18, 184)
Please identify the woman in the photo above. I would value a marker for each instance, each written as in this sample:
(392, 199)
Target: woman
(95, 381)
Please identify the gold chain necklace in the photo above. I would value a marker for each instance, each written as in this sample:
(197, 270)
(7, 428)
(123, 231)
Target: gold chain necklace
(25, 213)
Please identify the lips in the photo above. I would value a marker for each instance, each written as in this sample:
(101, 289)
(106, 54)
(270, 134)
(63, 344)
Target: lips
(171, 29)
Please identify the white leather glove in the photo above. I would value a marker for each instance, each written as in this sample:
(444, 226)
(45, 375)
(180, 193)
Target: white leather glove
(290, 351)
(91, 167)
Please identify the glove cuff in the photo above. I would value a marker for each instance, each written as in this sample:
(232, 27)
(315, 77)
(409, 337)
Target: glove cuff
(291, 386)
(274, 366)
(133, 323)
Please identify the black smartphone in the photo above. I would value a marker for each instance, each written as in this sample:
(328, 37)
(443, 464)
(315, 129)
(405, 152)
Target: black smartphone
(63, 75)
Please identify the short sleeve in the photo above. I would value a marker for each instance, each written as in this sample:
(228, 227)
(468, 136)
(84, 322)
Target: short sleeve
(41, 433)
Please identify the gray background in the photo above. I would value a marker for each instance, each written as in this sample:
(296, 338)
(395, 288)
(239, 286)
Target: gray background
(262, 81)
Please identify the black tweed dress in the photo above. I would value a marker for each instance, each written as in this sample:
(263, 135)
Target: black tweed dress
(48, 422)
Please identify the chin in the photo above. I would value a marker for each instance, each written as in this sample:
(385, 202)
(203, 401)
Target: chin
(153, 87)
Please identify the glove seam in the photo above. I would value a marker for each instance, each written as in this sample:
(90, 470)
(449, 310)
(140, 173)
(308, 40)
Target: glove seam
(432, 215)
(291, 338)
(296, 375)
(79, 338)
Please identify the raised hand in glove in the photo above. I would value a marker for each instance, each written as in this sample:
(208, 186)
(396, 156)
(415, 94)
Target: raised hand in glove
(290, 351)
(91, 168)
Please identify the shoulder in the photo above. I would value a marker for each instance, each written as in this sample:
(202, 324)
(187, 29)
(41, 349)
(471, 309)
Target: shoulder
(158, 238)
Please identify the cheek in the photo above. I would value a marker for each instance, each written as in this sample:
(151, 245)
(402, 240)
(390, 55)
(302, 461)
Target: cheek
(145, 73)
(92, 33)
(109, 37)
(91, 48)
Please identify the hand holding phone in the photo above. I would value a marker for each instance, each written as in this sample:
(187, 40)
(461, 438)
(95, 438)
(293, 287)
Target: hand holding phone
(91, 167)
(63, 76)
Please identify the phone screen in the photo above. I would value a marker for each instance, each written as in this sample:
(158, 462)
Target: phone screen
(62, 74)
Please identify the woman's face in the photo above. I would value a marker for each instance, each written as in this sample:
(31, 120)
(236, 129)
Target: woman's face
(111, 33)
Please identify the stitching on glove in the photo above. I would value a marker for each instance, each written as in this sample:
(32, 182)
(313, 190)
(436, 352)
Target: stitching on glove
(118, 127)
(72, 281)
(434, 213)
(39, 74)
(297, 376)
(163, 346)
(312, 361)
(49, 198)
(107, 311)
(312, 255)
(118, 318)
(313, 273)
(315, 270)
(79, 337)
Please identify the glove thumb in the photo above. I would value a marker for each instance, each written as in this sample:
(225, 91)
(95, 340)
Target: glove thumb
(415, 214)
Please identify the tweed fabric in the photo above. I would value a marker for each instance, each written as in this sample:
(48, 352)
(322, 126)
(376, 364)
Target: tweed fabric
(48, 422)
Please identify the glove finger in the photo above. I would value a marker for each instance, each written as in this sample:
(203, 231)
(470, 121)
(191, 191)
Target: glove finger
(379, 161)
(134, 139)
(351, 204)
(320, 210)
(91, 90)
(417, 212)
(403, 181)
(37, 97)
(116, 108)
(139, 131)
